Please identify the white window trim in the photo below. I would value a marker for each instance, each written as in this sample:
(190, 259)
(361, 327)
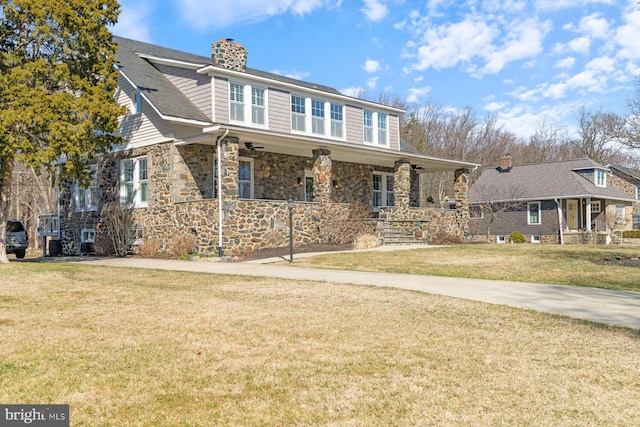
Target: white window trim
(637, 192)
(597, 172)
(383, 197)
(529, 213)
(535, 239)
(327, 120)
(252, 172)
(136, 103)
(85, 232)
(137, 203)
(376, 130)
(247, 104)
(501, 239)
(596, 206)
(89, 203)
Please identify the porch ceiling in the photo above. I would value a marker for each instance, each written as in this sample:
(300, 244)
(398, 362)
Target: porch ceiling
(340, 151)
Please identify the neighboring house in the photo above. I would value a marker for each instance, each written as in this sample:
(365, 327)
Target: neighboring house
(208, 132)
(556, 202)
(628, 182)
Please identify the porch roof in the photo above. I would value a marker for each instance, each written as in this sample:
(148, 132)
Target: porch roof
(541, 181)
(297, 145)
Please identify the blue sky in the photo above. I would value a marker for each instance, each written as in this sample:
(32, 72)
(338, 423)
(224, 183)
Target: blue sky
(525, 61)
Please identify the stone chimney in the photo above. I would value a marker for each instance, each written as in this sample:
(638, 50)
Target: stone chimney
(505, 163)
(226, 53)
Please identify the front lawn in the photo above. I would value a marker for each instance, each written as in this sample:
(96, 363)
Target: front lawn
(611, 267)
(127, 347)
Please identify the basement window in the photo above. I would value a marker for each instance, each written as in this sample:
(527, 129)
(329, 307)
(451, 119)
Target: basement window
(501, 239)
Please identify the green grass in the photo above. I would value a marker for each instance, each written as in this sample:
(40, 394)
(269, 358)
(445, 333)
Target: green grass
(575, 265)
(128, 347)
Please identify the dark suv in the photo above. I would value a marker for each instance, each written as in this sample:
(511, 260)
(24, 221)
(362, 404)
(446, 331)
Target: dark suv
(17, 238)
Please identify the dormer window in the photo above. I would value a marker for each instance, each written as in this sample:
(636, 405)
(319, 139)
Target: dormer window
(317, 116)
(375, 128)
(239, 108)
(600, 178)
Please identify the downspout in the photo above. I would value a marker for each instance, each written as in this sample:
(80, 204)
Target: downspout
(560, 221)
(219, 164)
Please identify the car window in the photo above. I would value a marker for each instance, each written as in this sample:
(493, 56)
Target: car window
(14, 226)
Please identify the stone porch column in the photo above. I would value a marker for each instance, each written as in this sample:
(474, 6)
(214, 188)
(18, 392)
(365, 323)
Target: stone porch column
(401, 183)
(229, 173)
(322, 175)
(461, 194)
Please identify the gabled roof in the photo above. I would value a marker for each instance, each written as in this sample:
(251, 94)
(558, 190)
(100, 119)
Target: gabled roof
(541, 181)
(132, 62)
(153, 85)
(626, 171)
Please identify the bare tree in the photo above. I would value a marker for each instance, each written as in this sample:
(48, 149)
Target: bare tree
(600, 136)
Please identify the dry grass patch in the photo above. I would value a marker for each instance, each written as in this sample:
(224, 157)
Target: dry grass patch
(138, 348)
(575, 265)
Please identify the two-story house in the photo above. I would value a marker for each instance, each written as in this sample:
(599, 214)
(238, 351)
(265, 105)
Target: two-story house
(217, 149)
(627, 181)
(571, 201)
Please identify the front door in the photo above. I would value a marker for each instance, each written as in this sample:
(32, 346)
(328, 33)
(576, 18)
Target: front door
(572, 214)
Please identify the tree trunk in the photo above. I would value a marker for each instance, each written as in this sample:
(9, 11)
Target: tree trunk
(6, 170)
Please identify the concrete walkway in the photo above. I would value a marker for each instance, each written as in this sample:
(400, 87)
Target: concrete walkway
(618, 308)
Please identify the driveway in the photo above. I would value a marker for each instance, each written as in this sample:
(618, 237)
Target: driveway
(609, 307)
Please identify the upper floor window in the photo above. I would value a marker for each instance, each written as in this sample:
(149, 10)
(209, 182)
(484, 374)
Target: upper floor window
(298, 113)
(136, 103)
(240, 110)
(258, 106)
(533, 213)
(376, 128)
(236, 99)
(87, 198)
(316, 122)
(638, 192)
(601, 178)
(317, 116)
(134, 189)
(337, 121)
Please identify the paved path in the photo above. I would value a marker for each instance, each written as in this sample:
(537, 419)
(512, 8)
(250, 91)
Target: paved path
(608, 307)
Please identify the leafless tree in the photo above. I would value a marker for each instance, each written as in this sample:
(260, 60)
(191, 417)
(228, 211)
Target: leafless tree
(600, 136)
(496, 203)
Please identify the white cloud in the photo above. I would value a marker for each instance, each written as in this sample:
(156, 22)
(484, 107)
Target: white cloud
(447, 45)
(372, 82)
(134, 21)
(371, 66)
(566, 63)
(374, 10)
(627, 36)
(298, 75)
(495, 106)
(354, 91)
(595, 26)
(524, 40)
(204, 14)
(417, 93)
(580, 45)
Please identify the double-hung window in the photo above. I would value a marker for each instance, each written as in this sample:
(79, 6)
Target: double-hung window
(376, 128)
(317, 116)
(337, 120)
(87, 199)
(298, 113)
(636, 221)
(382, 129)
(368, 126)
(533, 213)
(134, 182)
(382, 190)
(236, 99)
(258, 106)
(601, 178)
